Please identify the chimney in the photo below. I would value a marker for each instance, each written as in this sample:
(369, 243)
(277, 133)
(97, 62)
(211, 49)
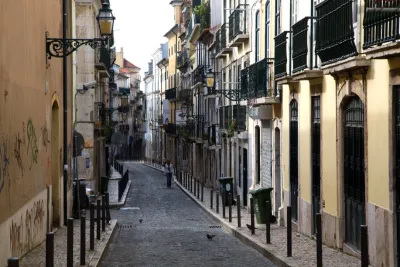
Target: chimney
(122, 52)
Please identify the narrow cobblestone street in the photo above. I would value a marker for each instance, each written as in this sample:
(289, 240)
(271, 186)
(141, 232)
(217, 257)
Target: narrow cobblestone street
(173, 229)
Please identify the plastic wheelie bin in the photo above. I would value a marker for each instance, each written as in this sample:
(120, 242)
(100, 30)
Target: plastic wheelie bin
(261, 196)
(225, 184)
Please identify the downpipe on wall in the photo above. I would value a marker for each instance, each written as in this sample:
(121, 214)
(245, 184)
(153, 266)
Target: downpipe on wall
(65, 112)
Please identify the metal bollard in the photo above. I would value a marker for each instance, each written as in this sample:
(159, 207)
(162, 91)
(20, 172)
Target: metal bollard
(70, 242)
(223, 204)
(198, 189)
(230, 206)
(364, 246)
(239, 221)
(211, 198)
(202, 192)
(195, 182)
(50, 249)
(289, 230)
(13, 262)
(83, 239)
(319, 239)
(103, 213)
(108, 207)
(253, 227)
(268, 223)
(92, 226)
(217, 202)
(98, 219)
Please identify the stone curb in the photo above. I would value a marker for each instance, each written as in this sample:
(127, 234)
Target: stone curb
(99, 253)
(145, 164)
(269, 253)
(124, 195)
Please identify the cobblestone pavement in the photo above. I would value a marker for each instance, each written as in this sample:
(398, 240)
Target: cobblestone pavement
(303, 247)
(173, 229)
(37, 257)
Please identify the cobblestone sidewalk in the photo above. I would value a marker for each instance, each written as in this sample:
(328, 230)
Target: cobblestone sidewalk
(37, 257)
(303, 247)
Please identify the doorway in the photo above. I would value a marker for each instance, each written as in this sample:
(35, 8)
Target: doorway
(55, 164)
(354, 176)
(245, 185)
(278, 188)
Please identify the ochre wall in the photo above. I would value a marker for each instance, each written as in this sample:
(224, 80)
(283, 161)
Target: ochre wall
(328, 146)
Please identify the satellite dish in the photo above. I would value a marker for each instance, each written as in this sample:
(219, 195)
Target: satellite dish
(78, 144)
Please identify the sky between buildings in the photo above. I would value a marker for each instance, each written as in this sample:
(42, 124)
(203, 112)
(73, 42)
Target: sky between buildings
(140, 26)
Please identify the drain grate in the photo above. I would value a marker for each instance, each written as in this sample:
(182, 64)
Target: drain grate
(215, 226)
(124, 226)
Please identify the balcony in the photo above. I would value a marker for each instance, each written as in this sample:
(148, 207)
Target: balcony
(185, 95)
(381, 27)
(170, 94)
(221, 48)
(256, 82)
(102, 61)
(212, 135)
(183, 59)
(238, 26)
(232, 118)
(170, 128)
(302, 56)
(198, 75)
(281, 45)
(335, 33)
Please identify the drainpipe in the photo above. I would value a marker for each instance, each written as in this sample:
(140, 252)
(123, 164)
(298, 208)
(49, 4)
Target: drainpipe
(159, 89)
(165, 136)
(176, 92)
(65, 111)
(290, 37)
(311, 34)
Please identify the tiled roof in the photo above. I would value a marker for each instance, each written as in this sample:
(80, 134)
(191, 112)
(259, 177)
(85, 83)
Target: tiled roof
(123, 70)
(128, 64)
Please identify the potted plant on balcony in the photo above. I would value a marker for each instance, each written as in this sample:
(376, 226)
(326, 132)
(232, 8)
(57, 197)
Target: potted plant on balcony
(231, 128)
(203, 12)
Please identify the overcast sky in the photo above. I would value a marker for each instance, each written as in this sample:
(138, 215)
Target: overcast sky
(140, 26)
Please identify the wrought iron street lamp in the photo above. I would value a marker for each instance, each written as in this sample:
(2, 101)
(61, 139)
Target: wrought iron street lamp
(232, 94)
(124, 99)
(63, 47)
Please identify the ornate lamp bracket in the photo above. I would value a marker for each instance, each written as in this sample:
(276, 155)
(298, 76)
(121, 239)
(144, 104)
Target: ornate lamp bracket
(233, 95)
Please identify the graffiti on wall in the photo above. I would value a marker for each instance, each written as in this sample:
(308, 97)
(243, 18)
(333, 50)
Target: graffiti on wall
(4, 163)
(32, 148)
(24, 232)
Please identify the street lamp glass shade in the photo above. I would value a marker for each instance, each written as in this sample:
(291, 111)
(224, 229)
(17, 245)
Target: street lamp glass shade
(210, 79)
(106, 20)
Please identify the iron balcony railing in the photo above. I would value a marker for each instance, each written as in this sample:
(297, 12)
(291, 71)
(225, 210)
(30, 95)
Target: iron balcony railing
(170, 128)
(198, 74)
(185, 95)
(238, 22)
(183, 59)
(223, 37)
(381, 27)
(281, 55)
(189, 30)
(102, 57)
(334, 29)
(256, 80)
(170, 94)
(239, 117)
(301, 42)
(218, 42)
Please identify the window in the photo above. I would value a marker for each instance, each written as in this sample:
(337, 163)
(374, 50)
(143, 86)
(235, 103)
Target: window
(294, 10)
(257, 50)
(267, 28)
(277, 17)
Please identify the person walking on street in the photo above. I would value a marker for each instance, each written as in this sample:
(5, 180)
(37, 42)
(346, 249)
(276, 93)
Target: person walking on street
(168, 172)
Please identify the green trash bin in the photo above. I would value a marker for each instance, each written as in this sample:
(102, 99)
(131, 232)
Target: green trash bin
(261, 196)
(104, 184)
(225, 184)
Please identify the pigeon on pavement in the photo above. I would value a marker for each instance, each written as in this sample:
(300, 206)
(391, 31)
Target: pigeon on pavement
(140, 220)
(250, 227)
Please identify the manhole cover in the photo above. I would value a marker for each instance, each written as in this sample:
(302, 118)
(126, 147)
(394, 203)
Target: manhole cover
(130, 208)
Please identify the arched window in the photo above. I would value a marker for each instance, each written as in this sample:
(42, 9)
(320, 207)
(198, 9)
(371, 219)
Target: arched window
(257, 48)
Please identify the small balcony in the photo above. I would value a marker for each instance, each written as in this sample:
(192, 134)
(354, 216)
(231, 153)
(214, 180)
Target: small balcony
(102, 61)
(232, 118)
(303, 56)
(335, 33)
(281, 58)
(381, 27)
(256, 82)
(221, 47)
(198, 75)
(185, 95)
(170, 94)
(212, 135)
(183, 59)
(238, 26)
(170, 128)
